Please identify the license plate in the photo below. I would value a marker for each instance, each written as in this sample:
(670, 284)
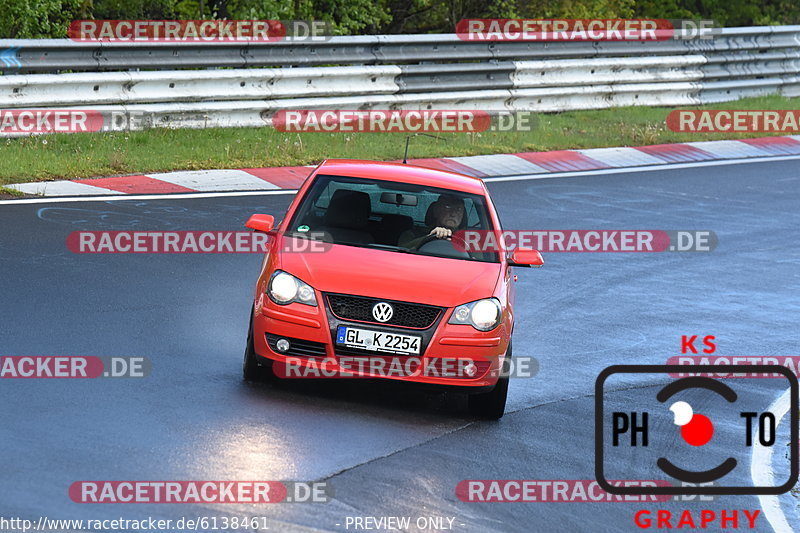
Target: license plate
(378, 341)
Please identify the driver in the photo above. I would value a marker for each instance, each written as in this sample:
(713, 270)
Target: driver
(446, 215)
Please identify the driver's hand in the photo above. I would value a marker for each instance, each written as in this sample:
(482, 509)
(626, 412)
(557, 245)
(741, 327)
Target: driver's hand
(441, 233)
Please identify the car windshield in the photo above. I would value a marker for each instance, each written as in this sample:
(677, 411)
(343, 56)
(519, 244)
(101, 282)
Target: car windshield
(393, 216)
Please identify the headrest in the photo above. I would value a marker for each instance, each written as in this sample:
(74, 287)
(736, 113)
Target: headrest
(348, 209)
(394, 220)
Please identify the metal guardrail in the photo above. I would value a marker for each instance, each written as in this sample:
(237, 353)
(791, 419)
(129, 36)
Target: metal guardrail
(49, 55)
(397, 71)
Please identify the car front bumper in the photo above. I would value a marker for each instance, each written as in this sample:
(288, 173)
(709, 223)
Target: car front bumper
(447, 349)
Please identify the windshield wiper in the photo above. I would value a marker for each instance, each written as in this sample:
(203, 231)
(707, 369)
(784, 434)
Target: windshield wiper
(402, 250)
(391, 248)
(376, 246)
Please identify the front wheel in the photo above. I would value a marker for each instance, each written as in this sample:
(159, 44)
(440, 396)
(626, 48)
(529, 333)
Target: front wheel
(252, 370)
(492, 405)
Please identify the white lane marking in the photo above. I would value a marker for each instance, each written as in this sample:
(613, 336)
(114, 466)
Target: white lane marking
(60, 188)
(171, 196)
(499, 164)
(622, 157)
(577, 173)
(761, 468)
(215, 180)
(728, 149)
(650, 168)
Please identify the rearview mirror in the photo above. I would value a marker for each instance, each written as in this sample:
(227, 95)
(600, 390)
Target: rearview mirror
(525, 258)
(263, 223)
(397, 198)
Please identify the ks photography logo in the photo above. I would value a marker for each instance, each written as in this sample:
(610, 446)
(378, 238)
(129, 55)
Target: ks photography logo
(696, 431)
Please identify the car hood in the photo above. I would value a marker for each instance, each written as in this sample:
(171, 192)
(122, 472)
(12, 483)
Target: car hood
(392, 275)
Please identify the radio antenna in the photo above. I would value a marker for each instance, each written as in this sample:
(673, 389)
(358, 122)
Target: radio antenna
(408, 138)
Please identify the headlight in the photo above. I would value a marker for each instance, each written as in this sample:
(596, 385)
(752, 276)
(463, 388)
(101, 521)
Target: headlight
(284, 289)
(483, 315)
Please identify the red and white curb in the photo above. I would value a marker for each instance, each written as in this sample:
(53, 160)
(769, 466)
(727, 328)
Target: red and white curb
(481, 166)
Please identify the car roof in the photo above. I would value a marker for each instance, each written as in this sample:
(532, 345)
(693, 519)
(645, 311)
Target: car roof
(404, 173)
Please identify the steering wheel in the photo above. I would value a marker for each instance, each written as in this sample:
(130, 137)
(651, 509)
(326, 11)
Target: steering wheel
(426, 240)
(432, 244)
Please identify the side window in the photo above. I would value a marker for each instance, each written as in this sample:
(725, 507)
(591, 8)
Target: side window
(324, 198)
(491, 206)
(473, 215)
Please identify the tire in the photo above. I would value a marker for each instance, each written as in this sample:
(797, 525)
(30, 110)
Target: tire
(492, 405)
(253, 369)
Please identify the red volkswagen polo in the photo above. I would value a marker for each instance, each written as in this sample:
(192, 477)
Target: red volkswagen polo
(364, 278)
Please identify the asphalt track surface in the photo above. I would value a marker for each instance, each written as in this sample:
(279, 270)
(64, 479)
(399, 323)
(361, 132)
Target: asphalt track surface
(384, 450)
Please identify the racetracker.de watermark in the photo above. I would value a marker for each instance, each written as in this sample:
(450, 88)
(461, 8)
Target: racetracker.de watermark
(735, 120)
(73, 366)
(194, 242)
(167, 242)
(202, 492)
(33, 121)
(262, 31)
(21, 122)
(583, 29)
(550, 490)
(395, 366)
(404, 121)
(595, 240)
(565, 490)
(790, 362)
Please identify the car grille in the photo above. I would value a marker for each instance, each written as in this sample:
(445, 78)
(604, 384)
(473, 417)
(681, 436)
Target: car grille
(359, 308)
(297, 347)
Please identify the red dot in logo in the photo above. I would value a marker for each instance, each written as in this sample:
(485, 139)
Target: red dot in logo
(698, 431)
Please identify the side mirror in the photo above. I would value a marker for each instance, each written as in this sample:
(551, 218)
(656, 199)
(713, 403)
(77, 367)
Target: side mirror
(525, 258)
(263, 223)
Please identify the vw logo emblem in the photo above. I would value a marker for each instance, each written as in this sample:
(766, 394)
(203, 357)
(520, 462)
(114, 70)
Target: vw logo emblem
(382, 312)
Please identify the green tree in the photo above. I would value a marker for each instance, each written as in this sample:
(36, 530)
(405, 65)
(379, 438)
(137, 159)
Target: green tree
(133, 9)
(260, 9)
(345, 16)
(348, 16)
(578, 9)
(422, 16)
(437, 16)
(724, 12)
(779, 12)
(35, 19)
